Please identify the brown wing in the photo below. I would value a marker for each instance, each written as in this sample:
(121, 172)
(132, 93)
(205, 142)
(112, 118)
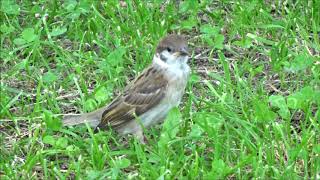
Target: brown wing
(142, 94)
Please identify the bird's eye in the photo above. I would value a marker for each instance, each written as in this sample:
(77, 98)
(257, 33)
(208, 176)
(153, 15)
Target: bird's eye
(169, 49)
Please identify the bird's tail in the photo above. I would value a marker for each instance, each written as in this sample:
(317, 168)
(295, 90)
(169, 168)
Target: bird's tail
(92, 118)
(72, 120)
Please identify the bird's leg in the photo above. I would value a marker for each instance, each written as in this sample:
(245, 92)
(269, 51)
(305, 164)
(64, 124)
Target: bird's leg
(139, 135)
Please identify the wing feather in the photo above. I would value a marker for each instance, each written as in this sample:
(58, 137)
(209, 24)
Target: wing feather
(146, 91)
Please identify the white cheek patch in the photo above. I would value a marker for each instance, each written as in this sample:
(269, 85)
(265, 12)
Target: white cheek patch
(166, 59)
(171, 59)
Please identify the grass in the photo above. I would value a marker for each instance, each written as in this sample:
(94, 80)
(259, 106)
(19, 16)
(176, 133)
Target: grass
(251, 109)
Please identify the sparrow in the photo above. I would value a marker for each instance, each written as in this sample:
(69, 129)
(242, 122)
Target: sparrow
(149, 97)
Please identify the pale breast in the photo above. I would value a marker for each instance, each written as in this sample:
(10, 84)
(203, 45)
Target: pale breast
(177, 81)
(178, 78)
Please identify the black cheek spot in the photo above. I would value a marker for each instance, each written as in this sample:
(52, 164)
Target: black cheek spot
(163, 58)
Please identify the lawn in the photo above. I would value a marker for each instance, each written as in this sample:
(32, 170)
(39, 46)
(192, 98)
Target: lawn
(251, 108)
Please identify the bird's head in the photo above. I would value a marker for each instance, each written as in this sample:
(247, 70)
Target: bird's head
(172, 49)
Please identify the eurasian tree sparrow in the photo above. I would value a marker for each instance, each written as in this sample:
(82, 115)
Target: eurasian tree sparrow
(148, 99)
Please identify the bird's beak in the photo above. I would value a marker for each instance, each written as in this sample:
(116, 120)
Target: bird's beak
(183, 52)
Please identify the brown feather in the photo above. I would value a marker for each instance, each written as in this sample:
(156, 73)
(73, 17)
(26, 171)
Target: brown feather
(139, 96)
